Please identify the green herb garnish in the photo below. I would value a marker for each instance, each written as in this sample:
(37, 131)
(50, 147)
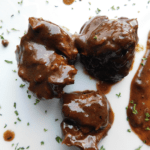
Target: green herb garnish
(16, 112)
(147, 129)
(95, 37)
(42, 143)
(19, 119)
(29, 96)
(139, 148)
(102, 148)
(9, 62)
(58, 139)
(5, 126)
(45, 130)
(14, 71)
(37, 101)
(22, 85)
(28, 124)
(134, 110)
(129, 130)
(14, 29)
(98, 11)
(15, 105)
(119, 95)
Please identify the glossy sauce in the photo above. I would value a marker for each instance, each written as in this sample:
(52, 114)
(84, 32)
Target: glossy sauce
(68, 2)
(8, 135)
(139, 103)
(104, 86)
(88, 117)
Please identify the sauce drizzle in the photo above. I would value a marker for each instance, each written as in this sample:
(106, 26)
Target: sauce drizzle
(139, 105)
(8, 135)
(68, 2)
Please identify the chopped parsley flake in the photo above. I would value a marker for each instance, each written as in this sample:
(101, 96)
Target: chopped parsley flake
(98, 11)
(29, 96)
(144, 141)
(127, 119)
(12, 144)
(142, 64)
(19, 119)
(37, 101)
(148, 129)
(16, 112)
(46, 111)
(28, 147)
(15, 122)
(19, 11)
(47, 1)
(56, 119)
(131, 101)
(119, 95)
(95, 37)
(129, 130)
(1, 36)
(22, 85)
(113, 8)
(14, 71)
(139, 148)
(28, 124)
(133, 4)
(14, 29)
(58, 139)
(102, 148)
(118, 7)
(14, 105)
(42, 143)
(20, 2)
(5, 126)
(0, 26)
(147, 117)
(45, 130)
(134, 110)
(144, 58)
(8, 31)
(126, 107)
(9, 62)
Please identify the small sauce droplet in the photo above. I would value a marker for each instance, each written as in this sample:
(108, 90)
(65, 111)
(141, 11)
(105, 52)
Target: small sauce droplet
(68, 2)
(8, 135)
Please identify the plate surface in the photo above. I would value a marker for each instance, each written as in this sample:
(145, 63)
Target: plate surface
(72, 17)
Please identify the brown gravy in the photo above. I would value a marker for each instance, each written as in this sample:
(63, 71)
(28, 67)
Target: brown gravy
(8, 135)
(104, 86)
(68, 2)
(139, 106)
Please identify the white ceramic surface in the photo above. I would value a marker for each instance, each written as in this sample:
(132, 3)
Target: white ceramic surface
(118, 138)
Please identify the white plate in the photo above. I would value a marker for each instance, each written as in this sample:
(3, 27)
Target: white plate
(118, 138)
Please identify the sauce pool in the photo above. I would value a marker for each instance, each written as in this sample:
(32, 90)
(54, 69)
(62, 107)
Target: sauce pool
(8, 135)
(138, 111)
(68, 2)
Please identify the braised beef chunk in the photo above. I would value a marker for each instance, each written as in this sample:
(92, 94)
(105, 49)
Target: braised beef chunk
(88, 117)
(107, 47)
(44, 57)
